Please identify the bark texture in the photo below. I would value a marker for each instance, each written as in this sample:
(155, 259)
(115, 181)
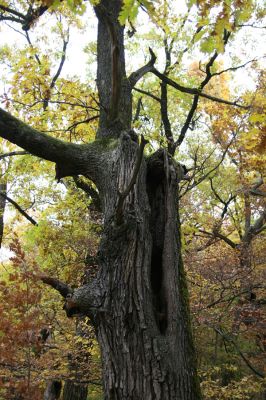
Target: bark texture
(74, 391)
(144, 328)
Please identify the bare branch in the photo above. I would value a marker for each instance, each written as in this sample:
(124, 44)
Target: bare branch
(229, 339)
(195, 91)
(234, 68)
(137, 114)
(196, 183)
(137, 75)
(17, 206)
(25, 20)
(31, 45)
(13, 153)
(149, 94)
(188, 120)
(58, 72)
(220, 236)
(165, 119)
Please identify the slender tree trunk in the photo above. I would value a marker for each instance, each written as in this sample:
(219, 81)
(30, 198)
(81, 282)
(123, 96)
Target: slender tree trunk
(3, 188)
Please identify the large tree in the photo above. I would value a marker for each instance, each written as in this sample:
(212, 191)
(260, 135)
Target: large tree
(138, 302)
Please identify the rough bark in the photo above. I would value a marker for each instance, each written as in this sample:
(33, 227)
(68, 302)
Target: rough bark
(150, 355)
(74, 391)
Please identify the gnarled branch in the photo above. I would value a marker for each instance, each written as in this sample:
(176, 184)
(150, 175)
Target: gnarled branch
(137, 75)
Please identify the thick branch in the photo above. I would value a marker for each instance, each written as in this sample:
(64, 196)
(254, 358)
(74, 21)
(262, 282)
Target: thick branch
(89, 190)
(220, 236)
(256, 228)
(58, 285)
(30, 139)
(165, 119)
(125, 193)
(17, 206)
(71, 159)
(137, 75)
(103, 14)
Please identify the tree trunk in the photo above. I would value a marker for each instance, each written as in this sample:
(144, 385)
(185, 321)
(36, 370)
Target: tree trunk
(144, 329)
(74, 391)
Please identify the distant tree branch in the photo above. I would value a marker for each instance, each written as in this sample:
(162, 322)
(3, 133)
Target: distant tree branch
(233, 68)
(149, 94)
(17, 206)
(202, 178)
(229, 339)
(220, 236)
(58, 72)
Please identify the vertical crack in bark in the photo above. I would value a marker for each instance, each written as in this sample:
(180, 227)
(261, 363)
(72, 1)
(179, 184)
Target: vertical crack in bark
(156, 192)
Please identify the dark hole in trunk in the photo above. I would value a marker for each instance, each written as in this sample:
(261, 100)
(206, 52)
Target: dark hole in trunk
(159, 303)
(156, 193)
